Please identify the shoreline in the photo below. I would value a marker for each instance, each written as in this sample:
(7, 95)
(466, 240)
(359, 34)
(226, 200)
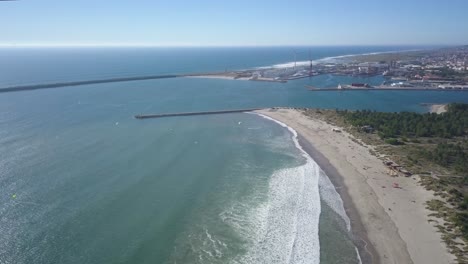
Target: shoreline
(208, 75)
(228, 76)
(366, 250)
(329, 59)
(438, 108)
(389, 225)
(216, 76)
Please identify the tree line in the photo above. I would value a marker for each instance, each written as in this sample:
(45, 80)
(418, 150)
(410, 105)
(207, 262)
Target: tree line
(453, 123)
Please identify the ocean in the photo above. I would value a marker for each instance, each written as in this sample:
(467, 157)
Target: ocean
(82, 181)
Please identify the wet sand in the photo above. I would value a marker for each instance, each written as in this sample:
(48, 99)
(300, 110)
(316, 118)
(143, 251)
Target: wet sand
(390, 225)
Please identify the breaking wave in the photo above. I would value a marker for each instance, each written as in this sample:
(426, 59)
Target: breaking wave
(318, 187)
(333, 59)
(280, 225)
(285, 228)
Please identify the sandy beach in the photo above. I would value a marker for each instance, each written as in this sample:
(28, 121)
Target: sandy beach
(390, 224)
(229, 76)
(217, 76)
(438, 108)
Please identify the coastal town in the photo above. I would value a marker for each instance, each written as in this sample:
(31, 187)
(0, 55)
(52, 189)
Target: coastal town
(438, 69)
(441, 68)
(444, 69)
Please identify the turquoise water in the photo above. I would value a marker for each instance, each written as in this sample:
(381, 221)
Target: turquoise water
(82, 181)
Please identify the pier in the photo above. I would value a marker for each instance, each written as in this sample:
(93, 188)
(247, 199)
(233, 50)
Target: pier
(314, 89)
(196, 113)
(77, 83)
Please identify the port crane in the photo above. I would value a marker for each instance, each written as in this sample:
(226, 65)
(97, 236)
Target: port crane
(310, 61)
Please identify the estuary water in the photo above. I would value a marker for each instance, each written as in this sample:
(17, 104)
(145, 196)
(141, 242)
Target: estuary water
(82, 181)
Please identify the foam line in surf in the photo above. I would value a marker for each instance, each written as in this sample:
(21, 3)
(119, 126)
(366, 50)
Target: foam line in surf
(330, 59)
(330, 196)
(284, 228)
(293, 213)
(327, 191)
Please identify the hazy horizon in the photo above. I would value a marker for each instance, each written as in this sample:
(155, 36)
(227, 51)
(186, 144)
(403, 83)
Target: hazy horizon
(120, 45)
(234, 24)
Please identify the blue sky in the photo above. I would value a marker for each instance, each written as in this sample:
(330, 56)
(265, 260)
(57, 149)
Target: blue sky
(234, 23)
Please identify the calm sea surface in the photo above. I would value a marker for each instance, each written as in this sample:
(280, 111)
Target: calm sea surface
(82, 181)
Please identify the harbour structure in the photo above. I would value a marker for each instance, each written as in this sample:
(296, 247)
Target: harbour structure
(382, 88)
(196, 113)
(86, 82)
(452, 87)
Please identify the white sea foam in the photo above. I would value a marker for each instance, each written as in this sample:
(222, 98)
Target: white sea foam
(325, 60)
(357, 255)
(291, 64)
(326, 191)
(330, 196)
(334, 58)
(284, 228)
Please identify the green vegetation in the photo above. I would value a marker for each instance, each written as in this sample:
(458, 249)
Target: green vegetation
(446, 72)
(449, 156)
(393, 141)
(391, 125)
(436, 145)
